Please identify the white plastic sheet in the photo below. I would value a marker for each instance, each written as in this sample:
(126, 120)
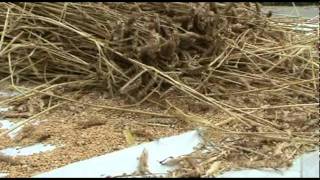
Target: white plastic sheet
(3, 175)
(26, 151)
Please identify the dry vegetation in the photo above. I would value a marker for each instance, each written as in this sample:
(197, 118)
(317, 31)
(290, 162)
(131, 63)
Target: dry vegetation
(259, 76)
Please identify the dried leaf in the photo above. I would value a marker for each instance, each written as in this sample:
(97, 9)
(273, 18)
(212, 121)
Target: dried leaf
(214, 169)
(129, 137)
(143, 163)
(90, 123)
(171, 162)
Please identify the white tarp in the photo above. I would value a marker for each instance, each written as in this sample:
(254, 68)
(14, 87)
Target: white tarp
(26, 151)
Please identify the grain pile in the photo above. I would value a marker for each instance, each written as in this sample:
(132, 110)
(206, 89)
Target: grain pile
(254, 72)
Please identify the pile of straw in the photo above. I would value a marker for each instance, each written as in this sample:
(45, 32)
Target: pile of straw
(206, 50)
